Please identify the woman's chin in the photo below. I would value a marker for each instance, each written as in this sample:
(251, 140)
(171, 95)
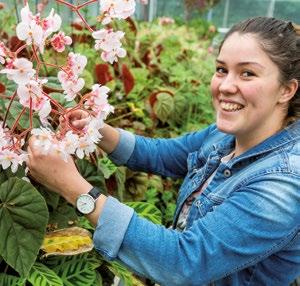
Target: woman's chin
(225, 127)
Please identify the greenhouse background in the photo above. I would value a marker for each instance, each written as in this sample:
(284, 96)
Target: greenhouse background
(224, 14)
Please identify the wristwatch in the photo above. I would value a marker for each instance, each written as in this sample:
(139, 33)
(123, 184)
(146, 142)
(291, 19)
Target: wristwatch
(86, 203)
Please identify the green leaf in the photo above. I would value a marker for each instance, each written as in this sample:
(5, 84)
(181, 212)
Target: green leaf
(53, 84)
(120, 176)
(50, 197)
(6, 174)
(90, 173)
(23, 219)
(107, 167)
(9, 280)
(62, 215)
(15, 110)
(146, 210)
(125, 275)
(163, 107)
(60, 98)
(76, 272)
(41, 275)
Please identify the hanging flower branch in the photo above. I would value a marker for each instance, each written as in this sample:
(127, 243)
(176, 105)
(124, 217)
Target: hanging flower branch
(38, 33)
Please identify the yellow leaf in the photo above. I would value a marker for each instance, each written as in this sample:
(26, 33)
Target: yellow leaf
(67, 241)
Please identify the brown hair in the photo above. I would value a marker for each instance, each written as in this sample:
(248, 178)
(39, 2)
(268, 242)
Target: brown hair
(281, 42)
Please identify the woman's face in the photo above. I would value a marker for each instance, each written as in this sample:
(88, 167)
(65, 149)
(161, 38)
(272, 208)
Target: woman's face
(246, 90)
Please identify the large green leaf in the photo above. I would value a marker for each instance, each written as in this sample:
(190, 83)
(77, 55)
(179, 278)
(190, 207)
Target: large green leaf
(76, 272)
(146, 210)
(23, 219)
(164, 106)
(15, 110)
(41, 275)
(9, 280)
(7, 173)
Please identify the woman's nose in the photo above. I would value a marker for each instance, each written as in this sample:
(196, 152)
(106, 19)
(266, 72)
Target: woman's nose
(228, 85)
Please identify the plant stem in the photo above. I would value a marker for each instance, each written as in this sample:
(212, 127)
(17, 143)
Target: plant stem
(8, 108)
(120, 117)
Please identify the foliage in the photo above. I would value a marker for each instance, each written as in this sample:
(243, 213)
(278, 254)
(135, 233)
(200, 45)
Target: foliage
(159, 89)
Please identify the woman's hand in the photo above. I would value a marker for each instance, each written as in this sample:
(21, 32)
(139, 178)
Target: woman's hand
(56, 174)
(78, 118)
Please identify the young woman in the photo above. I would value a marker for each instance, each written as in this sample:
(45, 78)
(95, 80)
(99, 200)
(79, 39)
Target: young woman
(237, 220)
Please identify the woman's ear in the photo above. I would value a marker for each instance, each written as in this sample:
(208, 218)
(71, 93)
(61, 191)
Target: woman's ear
(288, 91)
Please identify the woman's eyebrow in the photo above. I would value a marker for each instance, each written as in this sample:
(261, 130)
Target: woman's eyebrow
(242, 63)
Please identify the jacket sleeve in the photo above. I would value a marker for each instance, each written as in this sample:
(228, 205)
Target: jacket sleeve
(247, 227)
(166, 157)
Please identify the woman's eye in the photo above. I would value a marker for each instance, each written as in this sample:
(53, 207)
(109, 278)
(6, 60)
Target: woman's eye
(220, 70)
(247, 74)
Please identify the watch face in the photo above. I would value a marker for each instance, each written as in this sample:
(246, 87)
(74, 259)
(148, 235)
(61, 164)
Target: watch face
(85, 203)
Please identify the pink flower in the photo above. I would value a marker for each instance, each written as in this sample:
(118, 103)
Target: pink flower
(59, 41)
(120, 9)
(110, 43)
(22, 71)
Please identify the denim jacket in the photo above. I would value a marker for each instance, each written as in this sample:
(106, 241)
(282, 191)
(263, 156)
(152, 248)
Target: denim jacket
(244, 228)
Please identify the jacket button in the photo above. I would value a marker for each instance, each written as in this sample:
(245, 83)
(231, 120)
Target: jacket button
(227, 173)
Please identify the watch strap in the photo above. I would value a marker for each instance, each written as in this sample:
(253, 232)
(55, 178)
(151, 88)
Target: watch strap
(95, 193)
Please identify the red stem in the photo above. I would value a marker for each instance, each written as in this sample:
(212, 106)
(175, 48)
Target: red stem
(85, 22)
(20, 49)
(17, 120)
(8, 108)
(86, 3)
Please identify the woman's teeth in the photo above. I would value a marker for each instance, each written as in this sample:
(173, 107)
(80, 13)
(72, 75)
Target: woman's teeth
(231, 106)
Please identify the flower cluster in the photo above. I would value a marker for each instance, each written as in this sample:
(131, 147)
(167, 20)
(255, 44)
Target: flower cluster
(35, 30)
(69, 77)
(110, 43)
(38, 33)
(10, 153)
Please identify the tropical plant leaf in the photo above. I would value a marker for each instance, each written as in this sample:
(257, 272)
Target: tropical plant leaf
(41, 275)
(23, 219)
(107, 167)
(76, 272)
(125, 275)
(67, 241)
(9, 280)
(146, 210)
(164, 106)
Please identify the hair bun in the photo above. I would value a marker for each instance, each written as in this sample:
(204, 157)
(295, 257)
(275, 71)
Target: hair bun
(297, 28)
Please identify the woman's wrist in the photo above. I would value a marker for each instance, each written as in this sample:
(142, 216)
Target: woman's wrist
(75, 188)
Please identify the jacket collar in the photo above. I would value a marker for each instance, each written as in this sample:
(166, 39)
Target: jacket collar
(288, 135)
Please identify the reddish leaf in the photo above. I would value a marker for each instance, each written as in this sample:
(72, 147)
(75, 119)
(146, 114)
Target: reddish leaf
(103, 74)
(2, 88)
(153, 96)
(146, 59)
(132, 25)
(128, 79)
(15, 43)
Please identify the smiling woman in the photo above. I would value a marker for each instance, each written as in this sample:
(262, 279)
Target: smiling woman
(237, 216)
